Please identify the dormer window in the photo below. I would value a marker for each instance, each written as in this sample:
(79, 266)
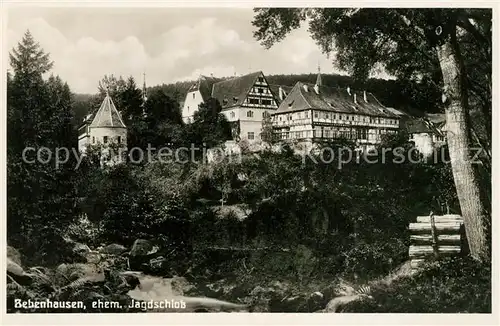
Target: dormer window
(235, 99)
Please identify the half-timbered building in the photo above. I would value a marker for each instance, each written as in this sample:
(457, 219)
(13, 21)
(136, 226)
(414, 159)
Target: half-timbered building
(313, 113)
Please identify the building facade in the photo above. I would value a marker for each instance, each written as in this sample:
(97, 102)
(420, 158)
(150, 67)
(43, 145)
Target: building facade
(425, 135)
(197, 94)
(106, 129)
(245, 101)
(314, 113)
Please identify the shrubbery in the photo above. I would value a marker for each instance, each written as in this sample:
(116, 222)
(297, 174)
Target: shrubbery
(453, 285)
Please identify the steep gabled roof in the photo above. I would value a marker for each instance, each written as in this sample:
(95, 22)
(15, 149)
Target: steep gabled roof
(276, 93)
(204, 84)
(234, 90)
(419, 125)
(332, 99)
(107, 115)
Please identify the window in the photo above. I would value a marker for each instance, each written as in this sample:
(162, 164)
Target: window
(266, 102)
(119, 139)
(327, 116)
(105, 139)
(315, 114)
(260, 90)
(253, 100)
(251, 135)
(352, 117)
(249, 114)
(194, 95)
(261, 79)
(265, 114)
(93, 140)
(232, 114)
(340, 117)
(280, 117)
(307, 114)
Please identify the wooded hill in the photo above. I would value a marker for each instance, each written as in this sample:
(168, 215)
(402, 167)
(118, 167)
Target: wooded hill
(414, 98)
(410, 96)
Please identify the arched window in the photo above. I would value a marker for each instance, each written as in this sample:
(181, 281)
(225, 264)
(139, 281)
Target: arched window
(249, 114)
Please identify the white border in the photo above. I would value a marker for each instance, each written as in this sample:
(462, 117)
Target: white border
(252, 318)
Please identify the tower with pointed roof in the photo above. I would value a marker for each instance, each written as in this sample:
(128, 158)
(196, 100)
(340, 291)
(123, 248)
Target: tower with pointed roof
(106, 129)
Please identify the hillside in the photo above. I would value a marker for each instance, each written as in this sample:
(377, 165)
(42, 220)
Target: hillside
(413, 98)
(392, 93)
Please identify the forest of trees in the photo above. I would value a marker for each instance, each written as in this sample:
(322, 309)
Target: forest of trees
(323, 224)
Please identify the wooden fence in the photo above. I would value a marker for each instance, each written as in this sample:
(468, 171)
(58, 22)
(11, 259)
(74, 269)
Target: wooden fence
(435, 236)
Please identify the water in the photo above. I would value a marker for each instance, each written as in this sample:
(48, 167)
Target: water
(154, 289)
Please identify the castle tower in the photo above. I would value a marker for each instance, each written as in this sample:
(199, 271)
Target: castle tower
(107, 128)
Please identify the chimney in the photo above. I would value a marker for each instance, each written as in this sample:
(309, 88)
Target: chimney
(316, 88)
(348, 90)
(212, 74)
(305, 88)
(364, 96)
(356, 102)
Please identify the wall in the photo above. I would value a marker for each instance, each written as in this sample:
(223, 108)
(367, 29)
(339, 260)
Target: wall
(191, 105)
(112, 133)
(423, 142)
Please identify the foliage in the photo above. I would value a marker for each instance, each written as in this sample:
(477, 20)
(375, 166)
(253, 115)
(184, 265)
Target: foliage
(209, 128)
(41, 194)
(453, 285)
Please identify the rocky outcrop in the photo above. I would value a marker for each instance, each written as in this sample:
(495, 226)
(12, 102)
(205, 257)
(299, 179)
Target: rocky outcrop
(113, 249)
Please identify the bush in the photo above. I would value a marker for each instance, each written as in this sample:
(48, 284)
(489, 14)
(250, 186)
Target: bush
(453, 285)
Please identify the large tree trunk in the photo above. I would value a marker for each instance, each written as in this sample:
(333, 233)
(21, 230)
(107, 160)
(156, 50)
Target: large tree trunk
(458, 136)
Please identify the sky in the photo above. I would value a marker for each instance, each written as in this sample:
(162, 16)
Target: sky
(167, 44)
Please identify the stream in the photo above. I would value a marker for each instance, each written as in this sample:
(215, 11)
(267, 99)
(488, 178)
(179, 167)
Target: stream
(170, 294)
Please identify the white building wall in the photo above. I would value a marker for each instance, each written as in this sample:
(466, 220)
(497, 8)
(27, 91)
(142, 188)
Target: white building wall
(97, 135)
(423, 142)
(193, 100)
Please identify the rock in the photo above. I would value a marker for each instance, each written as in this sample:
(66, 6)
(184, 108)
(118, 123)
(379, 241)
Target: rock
(80, 248)
(113, 249)
(180, 285)
(316, 301)
(93, 257)
(14, 255)
(14, 268)
(336, 304)
(141, 254)
(66, 273)
(297, 303)
(141, 247)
